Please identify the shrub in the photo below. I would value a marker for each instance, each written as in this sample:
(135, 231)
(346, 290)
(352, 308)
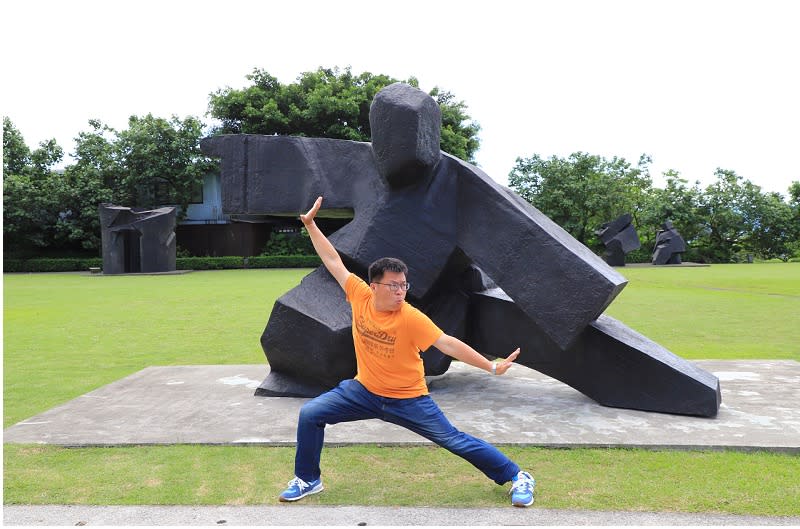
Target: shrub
(289, 243)
(284, 261)
(181, 263)
(51, 264)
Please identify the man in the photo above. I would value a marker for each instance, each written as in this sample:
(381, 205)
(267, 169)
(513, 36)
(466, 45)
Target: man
(389, 334)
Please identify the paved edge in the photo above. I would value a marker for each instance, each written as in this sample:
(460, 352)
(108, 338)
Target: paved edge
(299, 515)
(791, 450)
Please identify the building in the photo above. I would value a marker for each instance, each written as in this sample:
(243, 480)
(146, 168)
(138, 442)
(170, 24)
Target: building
(207, 231)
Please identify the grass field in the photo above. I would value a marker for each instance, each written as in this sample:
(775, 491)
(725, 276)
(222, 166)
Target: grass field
(715, 312)
(66, 334)
(612, 479)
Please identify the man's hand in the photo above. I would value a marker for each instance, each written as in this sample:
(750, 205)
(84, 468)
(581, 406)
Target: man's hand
(323, 247)
(452, 346)
(308, 218)
(503, 365)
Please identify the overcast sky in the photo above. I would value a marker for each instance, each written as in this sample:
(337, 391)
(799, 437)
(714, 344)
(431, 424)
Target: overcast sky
(695, 84)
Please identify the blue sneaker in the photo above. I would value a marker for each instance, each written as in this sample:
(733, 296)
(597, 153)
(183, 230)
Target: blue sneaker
(300, 489)
(522, 486)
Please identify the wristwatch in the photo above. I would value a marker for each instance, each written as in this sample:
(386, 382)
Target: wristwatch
(494, 368)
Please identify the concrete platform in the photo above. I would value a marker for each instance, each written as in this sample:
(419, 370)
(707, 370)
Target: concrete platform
(215, 405)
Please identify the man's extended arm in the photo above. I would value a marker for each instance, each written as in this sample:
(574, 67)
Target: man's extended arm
(324, 248)
(454, 347)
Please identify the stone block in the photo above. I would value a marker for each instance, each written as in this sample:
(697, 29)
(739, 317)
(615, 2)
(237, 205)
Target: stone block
(669, 246)
(136, 240)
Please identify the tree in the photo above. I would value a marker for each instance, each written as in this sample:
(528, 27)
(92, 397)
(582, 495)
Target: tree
(583, 191)
(740, 218)
(161, 161)
(16, 154)
(459, 133)
(33, 193)
(93, 179)
(328, 103)
(794, 195)
(155, 162)
(794, 203)
(677, 203)
(773, 227)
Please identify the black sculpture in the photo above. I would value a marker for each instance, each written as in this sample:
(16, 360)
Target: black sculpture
(137, 241)
(669, 246)
(620, 237)
(484, 264)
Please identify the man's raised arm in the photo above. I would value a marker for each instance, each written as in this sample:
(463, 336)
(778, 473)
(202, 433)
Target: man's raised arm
(324, 248)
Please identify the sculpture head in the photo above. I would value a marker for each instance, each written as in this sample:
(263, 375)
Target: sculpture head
(406, 132)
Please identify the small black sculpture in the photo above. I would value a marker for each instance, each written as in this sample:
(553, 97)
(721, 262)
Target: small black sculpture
(620, 238)
(480, 257)
(669, 246)
(137, 241)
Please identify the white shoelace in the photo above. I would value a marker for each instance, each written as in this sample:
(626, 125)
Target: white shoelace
(523, 483)
(298, 481)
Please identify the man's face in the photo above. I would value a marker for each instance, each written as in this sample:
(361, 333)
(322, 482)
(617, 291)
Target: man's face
(389, 291)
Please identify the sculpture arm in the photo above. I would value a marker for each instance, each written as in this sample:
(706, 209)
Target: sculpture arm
(324, 248)
(454, 347)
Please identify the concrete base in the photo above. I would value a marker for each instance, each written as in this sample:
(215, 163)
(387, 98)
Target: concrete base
(215, 405)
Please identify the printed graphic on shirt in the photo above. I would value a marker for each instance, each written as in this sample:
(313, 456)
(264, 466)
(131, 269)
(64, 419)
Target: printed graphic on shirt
(376, 341)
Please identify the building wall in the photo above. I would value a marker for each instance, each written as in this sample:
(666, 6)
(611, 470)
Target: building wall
(207, 231)
(211, 208)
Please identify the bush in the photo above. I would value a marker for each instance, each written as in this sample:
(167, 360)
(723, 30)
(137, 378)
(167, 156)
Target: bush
(209, 263)
(181, 263)
(289, 243)
(283, 261)
(51, 265)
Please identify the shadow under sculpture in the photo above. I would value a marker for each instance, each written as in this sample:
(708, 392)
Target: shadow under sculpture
(137, 241)
(485, 265)
(620, 238)
(669, 245)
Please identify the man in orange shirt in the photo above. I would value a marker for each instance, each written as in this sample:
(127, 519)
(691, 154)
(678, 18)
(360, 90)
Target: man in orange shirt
(389, 334)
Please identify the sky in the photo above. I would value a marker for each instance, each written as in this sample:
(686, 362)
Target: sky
(696, 84)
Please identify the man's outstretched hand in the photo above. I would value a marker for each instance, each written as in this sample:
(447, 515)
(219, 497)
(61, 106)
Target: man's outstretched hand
(503, 365)
(308, 218)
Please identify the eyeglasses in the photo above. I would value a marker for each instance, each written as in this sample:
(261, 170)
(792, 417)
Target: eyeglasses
(394, 287)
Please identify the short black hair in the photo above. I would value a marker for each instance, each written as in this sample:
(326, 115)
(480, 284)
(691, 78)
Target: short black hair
(386, 264)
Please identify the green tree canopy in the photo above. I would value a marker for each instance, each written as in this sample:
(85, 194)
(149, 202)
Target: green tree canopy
(154, 162)
(582, 191)
(721, 223)
(328, 103)
(16, 154)
(677, 203)
(739, 217)
(33, 193)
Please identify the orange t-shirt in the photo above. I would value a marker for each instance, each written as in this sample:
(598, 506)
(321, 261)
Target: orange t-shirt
(388, 344)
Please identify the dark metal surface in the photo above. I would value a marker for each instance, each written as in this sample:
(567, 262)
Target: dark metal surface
(460, 233)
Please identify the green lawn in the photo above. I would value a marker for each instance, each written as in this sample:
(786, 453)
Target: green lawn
(720, 312)
(66, 334)
(599, 479)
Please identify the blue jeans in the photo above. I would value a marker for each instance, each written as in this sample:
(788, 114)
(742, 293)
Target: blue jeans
(351, 401)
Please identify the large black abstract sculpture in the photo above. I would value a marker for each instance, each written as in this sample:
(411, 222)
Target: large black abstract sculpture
(619, 237)
(669, 246)
(137, 241)
(484, 264)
